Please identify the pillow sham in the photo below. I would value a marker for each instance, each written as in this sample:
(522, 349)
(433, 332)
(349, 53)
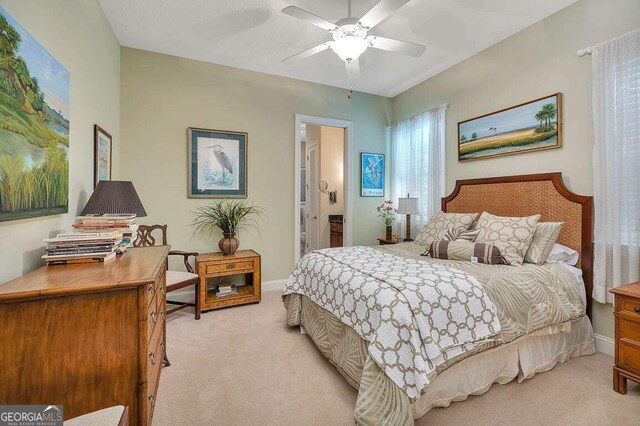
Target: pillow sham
(544, 238)
(512, 235)
(563, 254)
(460, 234)
(438, 225)
(466, 250)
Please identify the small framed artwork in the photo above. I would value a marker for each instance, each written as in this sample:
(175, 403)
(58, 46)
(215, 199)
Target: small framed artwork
(372, 175)
(532, 126)
(217, 163)
(102, 155)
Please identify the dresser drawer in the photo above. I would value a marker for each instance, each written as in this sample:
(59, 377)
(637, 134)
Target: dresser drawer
(628, 355)
(630, 308)
(155, 351)
(154, 317)
(150, 290)
(232, 267)
(629, 330)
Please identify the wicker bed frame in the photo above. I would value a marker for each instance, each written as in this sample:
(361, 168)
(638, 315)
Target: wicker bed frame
(525, 195)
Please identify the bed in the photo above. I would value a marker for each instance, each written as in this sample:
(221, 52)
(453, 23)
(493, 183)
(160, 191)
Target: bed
(411, 333)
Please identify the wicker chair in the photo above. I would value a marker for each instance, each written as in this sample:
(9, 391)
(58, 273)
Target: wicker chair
(176, 280)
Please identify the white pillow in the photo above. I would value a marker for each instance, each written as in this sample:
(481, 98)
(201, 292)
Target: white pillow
(563, 254)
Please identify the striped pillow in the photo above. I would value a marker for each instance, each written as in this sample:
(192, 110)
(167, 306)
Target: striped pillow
(460, 234)
(466, 250)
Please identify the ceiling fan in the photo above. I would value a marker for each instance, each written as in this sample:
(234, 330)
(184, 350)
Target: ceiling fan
(350, 35)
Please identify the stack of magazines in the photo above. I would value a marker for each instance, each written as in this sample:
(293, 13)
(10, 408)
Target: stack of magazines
(123, 224)
(81, 248)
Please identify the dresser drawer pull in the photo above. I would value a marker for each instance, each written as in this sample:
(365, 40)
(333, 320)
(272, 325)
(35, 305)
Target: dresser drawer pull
(152, 401)
(151, 287)
(231, 265)
(637, 309)
(162, 289)
(154, 317)
(163, 314)
(152, 358)
(162, 347)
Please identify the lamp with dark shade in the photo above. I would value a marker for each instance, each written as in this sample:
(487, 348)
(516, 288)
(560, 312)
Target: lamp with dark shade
(408, 206)
(114, 197)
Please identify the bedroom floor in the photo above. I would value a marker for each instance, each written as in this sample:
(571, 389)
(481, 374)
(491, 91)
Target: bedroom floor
(244, 366)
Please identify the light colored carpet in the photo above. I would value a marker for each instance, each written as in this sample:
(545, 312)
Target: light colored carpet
(244, 366)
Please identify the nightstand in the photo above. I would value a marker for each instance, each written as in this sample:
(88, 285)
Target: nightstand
(215, 265)
(627, 354)
(384, 242)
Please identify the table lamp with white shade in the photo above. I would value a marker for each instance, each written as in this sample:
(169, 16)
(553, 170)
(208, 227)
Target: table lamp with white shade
(408, 206)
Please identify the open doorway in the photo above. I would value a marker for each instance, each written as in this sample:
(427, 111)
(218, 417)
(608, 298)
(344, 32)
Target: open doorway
(323, 198)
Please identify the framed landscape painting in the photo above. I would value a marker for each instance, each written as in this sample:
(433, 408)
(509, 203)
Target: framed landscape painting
(533, 126)
(102, 155)
(217, 163)
(372, 175)
(34, 126)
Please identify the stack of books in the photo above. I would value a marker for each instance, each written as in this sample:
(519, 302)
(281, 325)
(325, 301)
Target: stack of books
(81, 248)
(122, 224)
(226, 290)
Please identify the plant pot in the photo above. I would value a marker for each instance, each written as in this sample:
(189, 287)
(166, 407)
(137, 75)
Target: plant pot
(389, 233)
(229, 244)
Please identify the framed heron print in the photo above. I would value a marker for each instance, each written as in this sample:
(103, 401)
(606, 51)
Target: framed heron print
(217, 163)
(372, 175)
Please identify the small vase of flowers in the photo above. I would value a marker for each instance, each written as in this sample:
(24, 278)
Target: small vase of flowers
(388, 215)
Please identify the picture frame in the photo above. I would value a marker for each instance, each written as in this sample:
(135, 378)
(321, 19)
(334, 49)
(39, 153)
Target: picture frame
(372, 174)
(216, 163)
(527, 127)
(35, 123)
(102, 154)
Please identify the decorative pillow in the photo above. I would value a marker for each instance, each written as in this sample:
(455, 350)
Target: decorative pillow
(466, 250)
(460, 234)
(512, 235)
(543, 240)
(440, 223)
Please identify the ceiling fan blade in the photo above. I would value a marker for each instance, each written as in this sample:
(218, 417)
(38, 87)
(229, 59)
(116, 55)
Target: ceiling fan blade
(380, 12)
(307, 53)
(353, 69)
(296, 12)
(405, 47)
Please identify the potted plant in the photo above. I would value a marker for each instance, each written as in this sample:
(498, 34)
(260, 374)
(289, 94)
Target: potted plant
(229, 217)
(388, 214)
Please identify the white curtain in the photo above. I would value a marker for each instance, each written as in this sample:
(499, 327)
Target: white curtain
(417, 163)
(616, 163)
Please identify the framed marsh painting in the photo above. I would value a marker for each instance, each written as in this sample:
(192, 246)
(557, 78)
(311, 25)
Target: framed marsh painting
(34, 126)
(532, 126)
(217, 163)
(102, 155)
(372, 175)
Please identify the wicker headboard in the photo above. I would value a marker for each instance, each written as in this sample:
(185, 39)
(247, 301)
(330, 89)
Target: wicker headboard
(526, 195)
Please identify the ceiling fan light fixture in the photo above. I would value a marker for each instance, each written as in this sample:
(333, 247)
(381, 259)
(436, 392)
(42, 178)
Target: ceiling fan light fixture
(349, 48)
(349, 42)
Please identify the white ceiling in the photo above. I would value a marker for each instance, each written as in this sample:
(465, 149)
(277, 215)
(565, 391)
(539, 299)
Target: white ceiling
(255, 35)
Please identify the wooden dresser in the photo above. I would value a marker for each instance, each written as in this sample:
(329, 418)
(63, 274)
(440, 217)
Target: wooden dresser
(336, 234)
(627, 354)
(86, 336)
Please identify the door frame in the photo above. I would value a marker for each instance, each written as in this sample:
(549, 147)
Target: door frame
(347, 229)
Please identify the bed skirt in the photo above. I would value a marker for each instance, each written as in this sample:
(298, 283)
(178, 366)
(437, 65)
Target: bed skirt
(382, 402)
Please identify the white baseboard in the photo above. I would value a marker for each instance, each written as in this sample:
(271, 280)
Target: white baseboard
(273, 285)
(604, 344)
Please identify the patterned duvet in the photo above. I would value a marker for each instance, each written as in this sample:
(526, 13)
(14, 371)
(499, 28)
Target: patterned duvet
(420, 315)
